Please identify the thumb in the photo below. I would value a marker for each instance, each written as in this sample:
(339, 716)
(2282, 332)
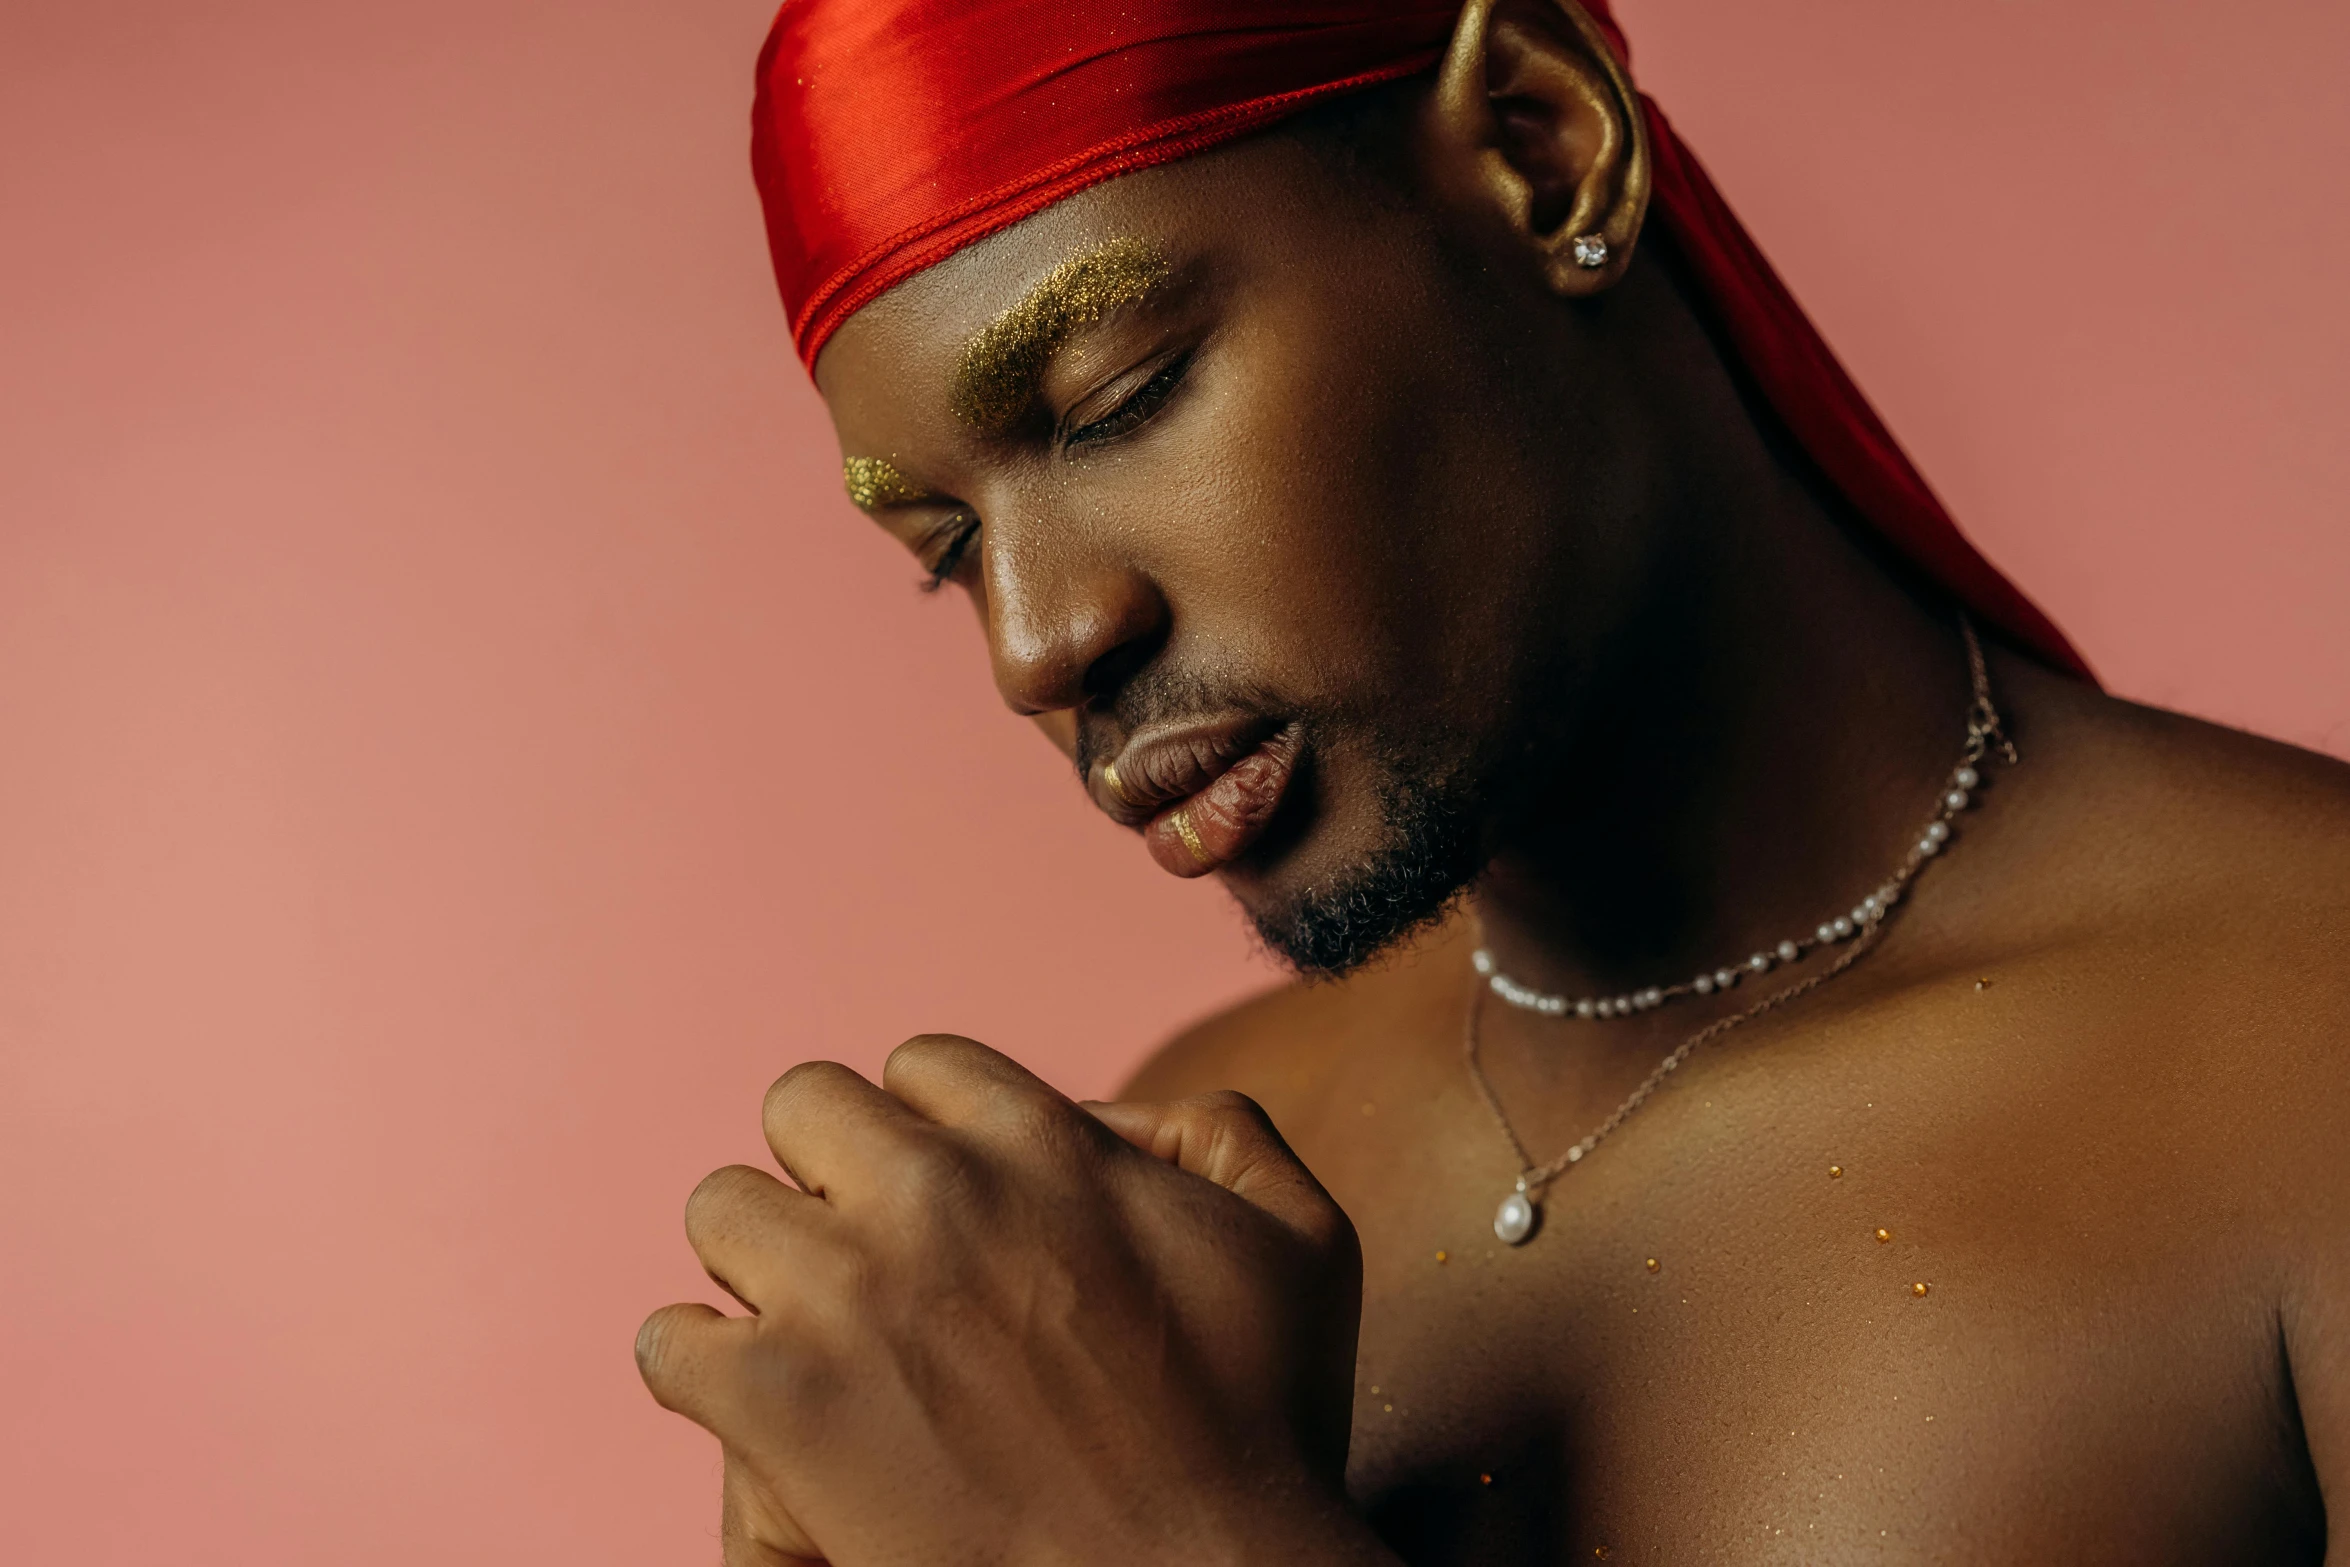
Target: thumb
(1225, 1137)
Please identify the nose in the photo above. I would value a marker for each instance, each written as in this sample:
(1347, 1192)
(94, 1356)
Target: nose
(1066, 623)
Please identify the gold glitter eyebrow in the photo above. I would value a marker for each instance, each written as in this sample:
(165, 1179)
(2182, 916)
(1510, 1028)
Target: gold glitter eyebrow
(875, 481)
(1004, 364)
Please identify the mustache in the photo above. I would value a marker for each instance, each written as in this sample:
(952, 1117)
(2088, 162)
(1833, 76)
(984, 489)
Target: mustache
(1159, 698)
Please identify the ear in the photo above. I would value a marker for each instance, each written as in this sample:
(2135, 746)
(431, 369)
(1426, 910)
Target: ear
(1536, 116)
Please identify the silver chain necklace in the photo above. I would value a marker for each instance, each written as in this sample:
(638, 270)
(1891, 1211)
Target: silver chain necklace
(1520, 1212)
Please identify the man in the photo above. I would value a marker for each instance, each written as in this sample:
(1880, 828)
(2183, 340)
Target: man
(1812, 1078)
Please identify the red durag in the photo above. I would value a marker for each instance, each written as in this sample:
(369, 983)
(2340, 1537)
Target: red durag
(889, 134)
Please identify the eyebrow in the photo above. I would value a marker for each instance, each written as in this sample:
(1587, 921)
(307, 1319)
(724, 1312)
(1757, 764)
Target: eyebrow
(1003, 366)
(875, 481)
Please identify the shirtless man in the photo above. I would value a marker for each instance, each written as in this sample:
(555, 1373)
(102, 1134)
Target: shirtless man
(1389, 517)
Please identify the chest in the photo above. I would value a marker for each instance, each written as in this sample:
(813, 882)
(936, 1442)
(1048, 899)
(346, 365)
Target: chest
(1807, 1319)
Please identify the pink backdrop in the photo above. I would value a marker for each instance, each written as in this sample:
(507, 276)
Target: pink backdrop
(456, 745)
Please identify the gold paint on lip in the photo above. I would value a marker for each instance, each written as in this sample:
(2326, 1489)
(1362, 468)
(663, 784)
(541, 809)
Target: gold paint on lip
(1002, 365)
(1190, 837)
(875, 481)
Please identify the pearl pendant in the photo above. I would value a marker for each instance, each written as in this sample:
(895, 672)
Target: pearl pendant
(1513, 1222)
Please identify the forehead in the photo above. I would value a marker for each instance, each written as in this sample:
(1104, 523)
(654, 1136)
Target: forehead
(910, 340)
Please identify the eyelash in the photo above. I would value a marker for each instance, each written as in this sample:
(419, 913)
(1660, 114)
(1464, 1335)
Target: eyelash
(959, 531)
(1137, 410)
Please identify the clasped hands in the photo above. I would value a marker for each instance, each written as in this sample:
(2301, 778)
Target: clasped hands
(991, 1325)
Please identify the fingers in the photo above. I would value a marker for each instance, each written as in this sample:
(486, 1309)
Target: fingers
(753, 1233)
(1226, 1138)
(959, 1082)
(826, 1123)
(857, 1145)
(686, 1354)
(692, 1359)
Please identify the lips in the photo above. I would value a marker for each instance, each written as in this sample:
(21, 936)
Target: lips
(1201, 795)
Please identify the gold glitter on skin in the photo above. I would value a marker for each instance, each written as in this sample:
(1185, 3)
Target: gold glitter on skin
(1835, 1172)
(1919, 1290)
(875, 481)
(1653, 1265)
(1003, 365)
(1883, 1236)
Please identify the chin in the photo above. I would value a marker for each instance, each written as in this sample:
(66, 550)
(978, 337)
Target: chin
(1359, 876)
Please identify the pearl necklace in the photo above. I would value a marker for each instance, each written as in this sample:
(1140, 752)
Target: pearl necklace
(1855, 932)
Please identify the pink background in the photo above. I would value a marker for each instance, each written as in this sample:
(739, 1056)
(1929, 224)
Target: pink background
(456, 745)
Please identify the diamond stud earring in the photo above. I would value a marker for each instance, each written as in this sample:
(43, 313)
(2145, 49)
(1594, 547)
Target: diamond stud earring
(1590, 252)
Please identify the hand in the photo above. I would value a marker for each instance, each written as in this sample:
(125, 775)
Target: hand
(992, 1326)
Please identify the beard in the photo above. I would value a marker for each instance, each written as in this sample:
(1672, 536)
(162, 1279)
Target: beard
(1442, 799)
(1434, 827)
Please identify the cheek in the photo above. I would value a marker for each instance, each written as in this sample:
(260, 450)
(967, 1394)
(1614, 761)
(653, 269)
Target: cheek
(1309, 523)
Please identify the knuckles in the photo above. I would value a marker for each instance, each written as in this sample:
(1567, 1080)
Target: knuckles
(1025, 1216)
(794, 1091)
(1034, 1128)
(1233, 1114)
(1234, 1142)
(927, 1054)
(791, 1371)
(669, 1369)
(933, 1176)
(721, 1199)
(718, 1371)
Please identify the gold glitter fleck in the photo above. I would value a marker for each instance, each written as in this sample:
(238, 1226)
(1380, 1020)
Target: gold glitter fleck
(1443, 1256)
(1390, 1408)
(1835, 1172)
(875, 481)
(1001, 366)
(1485, 1479)
(1982, 984)
(1883, 1236)
(1374, 1390)
(1653, 1265)
(1918, 1289)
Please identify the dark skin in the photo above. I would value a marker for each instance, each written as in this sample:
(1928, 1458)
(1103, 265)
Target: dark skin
(1419, 475)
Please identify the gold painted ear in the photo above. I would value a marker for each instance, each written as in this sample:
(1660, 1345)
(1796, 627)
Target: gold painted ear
(1552, 133)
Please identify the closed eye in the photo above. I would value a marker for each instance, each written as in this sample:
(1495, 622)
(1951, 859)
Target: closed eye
(952, 541)
(1137, 410)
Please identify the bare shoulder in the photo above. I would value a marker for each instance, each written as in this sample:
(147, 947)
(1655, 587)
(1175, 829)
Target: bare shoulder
(2220, 865)
(2193, 821)
(1288, 1047)
(1225, 1047)
(2184, 890)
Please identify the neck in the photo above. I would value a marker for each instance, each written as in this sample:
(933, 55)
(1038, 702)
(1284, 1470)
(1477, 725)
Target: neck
(1750, 754)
